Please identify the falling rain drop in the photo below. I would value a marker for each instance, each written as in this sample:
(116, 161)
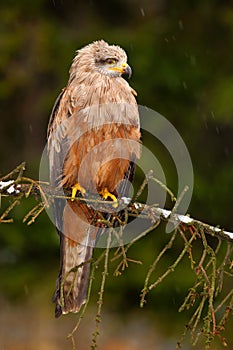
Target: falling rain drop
(142, 12)
(181, 25)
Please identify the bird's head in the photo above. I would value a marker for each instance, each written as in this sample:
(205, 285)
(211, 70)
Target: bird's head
(110, 60)
(113, 66)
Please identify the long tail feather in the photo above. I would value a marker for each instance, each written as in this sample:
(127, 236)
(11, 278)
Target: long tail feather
(76, 244)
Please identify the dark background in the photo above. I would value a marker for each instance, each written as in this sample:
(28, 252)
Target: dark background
(181, 55)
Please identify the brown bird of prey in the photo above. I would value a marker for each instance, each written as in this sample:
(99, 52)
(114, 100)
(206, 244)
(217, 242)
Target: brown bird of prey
(93, 143)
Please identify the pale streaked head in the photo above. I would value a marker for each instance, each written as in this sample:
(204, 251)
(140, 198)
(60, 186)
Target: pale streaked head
(110, 60)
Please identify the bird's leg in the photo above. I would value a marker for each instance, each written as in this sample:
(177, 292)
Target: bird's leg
(77, 187)
(105, 194)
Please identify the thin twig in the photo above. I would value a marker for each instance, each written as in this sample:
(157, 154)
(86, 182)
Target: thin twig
(101, 293)
(145, 289)
(83, 309)
(173, 266)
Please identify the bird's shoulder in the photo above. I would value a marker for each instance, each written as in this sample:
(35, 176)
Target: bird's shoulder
(92, 91)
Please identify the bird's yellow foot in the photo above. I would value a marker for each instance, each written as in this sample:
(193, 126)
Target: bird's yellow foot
(106, 194)
(75, 189)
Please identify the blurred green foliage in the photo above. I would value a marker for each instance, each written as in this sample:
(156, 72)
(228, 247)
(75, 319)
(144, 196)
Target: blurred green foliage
(181, 54)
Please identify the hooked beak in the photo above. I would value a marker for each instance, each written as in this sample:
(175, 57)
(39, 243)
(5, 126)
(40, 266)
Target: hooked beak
(127, 71)
(124, 69)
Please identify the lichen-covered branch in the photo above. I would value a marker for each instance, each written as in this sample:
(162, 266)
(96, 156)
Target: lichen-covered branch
(209, 303)
(19, 186)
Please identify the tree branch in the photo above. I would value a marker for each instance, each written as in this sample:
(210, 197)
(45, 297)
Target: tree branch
(26, 186)
(209, 272)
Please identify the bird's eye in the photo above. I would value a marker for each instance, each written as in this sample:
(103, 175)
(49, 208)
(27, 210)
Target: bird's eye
(110, 60)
